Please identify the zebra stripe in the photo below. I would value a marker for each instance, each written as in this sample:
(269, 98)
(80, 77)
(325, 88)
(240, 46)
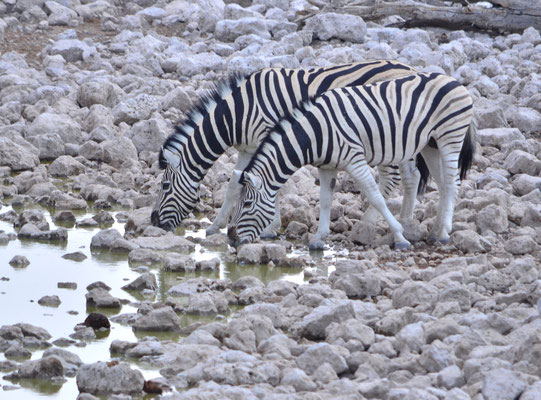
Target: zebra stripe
(351, 128)
(240, 113)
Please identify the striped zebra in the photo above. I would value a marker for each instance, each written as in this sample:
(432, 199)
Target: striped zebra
(353, 128)
(240, 113)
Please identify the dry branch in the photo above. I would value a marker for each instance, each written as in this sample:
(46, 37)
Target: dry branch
(495, 19)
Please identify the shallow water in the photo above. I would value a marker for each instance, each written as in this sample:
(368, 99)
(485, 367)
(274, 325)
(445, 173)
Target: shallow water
(20, 290)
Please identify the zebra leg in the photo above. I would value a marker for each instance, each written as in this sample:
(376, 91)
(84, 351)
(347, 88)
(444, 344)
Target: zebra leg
(388, 180)
(410, 182)
(231, 196)
(432, 158)
(327, 180)
(451, 179)
(362, 174)
(270, 231)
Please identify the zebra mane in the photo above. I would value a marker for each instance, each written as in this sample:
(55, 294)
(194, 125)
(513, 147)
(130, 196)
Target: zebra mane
(280, 129)
(195, 115)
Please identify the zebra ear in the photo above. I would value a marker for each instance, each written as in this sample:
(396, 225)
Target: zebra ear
(172, 158)
(254, 180)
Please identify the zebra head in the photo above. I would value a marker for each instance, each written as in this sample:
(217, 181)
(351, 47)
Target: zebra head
(178, 194)
(253, 212)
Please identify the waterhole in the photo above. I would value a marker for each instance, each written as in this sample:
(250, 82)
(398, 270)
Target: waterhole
(21, 288)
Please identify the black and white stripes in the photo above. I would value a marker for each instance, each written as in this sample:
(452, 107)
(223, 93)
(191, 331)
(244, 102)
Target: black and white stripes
(240, 113)
(355, 127)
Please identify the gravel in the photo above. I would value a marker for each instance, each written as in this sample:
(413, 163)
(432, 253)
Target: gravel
(90, 92)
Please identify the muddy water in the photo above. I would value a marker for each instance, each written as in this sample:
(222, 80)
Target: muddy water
(20, 290)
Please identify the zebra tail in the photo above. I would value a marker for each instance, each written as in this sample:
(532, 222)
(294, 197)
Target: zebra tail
(465, 158)
(425, 174)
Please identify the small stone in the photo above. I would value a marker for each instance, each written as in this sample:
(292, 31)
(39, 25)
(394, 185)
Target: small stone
(163, 319)
(75, 256)
(17, 352)
(19, 262)
(45, 368)
(66, 285)
(50, 301)
(144, 281)
(212, 264)
(502, 384)
(319, 353)
(97, 321)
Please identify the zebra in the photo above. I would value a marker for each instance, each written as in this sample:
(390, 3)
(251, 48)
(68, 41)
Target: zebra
(356, 127)
(240, 113)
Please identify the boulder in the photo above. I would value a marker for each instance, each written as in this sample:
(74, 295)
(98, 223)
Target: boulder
(99, 297)
(97, 92)
(59, 14)
(521, 162)
(61, 124)
(72, 49)
(144, 281)
(314, 325)
(163, 319)
(65, 166)
(44, 368)
(103, 378)
(149, 135)
(104, 239)
(318, 354)
(16, 156)
(135, 109)
(326, 26)
(414, 293)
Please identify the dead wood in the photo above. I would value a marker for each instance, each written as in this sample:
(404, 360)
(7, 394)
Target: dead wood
(498, 19)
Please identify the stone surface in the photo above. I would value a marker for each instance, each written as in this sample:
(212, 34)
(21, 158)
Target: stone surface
(103, 378)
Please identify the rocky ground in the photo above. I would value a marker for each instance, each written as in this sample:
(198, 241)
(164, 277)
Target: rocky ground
(89, 90)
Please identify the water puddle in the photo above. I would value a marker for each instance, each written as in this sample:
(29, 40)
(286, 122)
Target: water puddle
(21, 288)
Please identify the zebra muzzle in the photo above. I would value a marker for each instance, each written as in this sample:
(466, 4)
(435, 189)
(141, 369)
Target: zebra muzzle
(232, 235)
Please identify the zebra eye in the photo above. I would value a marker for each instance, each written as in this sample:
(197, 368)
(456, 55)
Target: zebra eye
(166, 185)
(248, 203)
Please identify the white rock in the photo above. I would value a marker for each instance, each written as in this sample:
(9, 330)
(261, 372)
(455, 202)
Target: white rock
(520, 245)
(44, 368)
(98, 91)
(107, 378)
(163, 319)
(298, 379)
(165, 242)
(318, 354)
(63, 125)
(72, 50)
(435, 357)
(497, 137)
(412, 293)
(59, 14)
(65, 166)
(492, 217)
(135, 109)
(313, 325)
(326, 26)
(104, 238)
(144, 281)
(521, 162)
(149, 135)
(16, 156)
(118, 152)
(229, 30)
(502, 384)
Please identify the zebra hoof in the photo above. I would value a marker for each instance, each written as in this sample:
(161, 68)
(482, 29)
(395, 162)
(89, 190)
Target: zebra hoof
(438, 241)
(402, 245)
(212, 230)
(318, 245)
